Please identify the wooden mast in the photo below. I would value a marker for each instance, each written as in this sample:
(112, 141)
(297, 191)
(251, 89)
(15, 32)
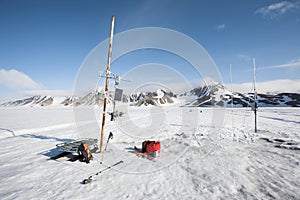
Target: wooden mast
(106, 81)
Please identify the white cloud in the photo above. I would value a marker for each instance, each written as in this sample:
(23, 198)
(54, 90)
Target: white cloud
(273, 87)
(220, 27)
(244, 57)
(293, 64)
(14, 79)
(276, 9)
(295, 60)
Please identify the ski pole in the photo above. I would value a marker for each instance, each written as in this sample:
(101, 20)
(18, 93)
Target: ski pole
(110, 136)
(88, 180)
(107, 168)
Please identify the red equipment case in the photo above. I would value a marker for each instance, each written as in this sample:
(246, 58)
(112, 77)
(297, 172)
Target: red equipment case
(150, 146)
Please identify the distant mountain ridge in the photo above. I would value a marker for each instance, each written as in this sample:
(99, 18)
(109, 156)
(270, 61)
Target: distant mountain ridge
(34, 100)
(212, 94)
(218, 95)
(157, 98)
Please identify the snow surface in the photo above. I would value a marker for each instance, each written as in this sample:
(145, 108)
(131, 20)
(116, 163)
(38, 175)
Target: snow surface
(160, 94)
(201, 157)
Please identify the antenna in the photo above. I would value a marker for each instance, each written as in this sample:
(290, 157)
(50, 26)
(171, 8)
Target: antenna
(117, 78)
(118, 93)
(107, 78)
(255, 96)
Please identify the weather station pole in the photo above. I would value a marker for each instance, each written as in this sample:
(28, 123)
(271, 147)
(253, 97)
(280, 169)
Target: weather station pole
(106, 80)
(255, 97)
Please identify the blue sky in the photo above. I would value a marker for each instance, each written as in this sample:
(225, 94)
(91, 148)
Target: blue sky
(44, 42)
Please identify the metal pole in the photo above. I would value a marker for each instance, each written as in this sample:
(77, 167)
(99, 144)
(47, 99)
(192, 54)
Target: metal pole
(114, 109)
(107, 78)
(255, 97)
(114, 104)
(231, 95)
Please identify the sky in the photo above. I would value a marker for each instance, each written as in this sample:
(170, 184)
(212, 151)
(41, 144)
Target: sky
(43, 43)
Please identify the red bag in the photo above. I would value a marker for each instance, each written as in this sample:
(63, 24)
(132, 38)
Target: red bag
(150, 146)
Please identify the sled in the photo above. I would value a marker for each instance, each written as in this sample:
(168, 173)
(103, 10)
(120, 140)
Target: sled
(68, 148)
(72, 147)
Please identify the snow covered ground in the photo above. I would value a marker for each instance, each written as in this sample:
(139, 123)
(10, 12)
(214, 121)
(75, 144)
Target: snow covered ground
(201, 157)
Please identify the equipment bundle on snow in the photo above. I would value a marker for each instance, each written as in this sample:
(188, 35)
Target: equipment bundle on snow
(150, 147)
(85, 153)
(84, 147)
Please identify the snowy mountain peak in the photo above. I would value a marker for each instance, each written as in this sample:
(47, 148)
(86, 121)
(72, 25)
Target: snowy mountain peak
(208, 81)
(160, 97)
(159, 93)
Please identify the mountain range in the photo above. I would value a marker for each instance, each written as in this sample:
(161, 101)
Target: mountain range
(204, 96)
(218, 95)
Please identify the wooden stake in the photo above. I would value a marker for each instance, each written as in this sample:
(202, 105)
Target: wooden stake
(107, 78)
